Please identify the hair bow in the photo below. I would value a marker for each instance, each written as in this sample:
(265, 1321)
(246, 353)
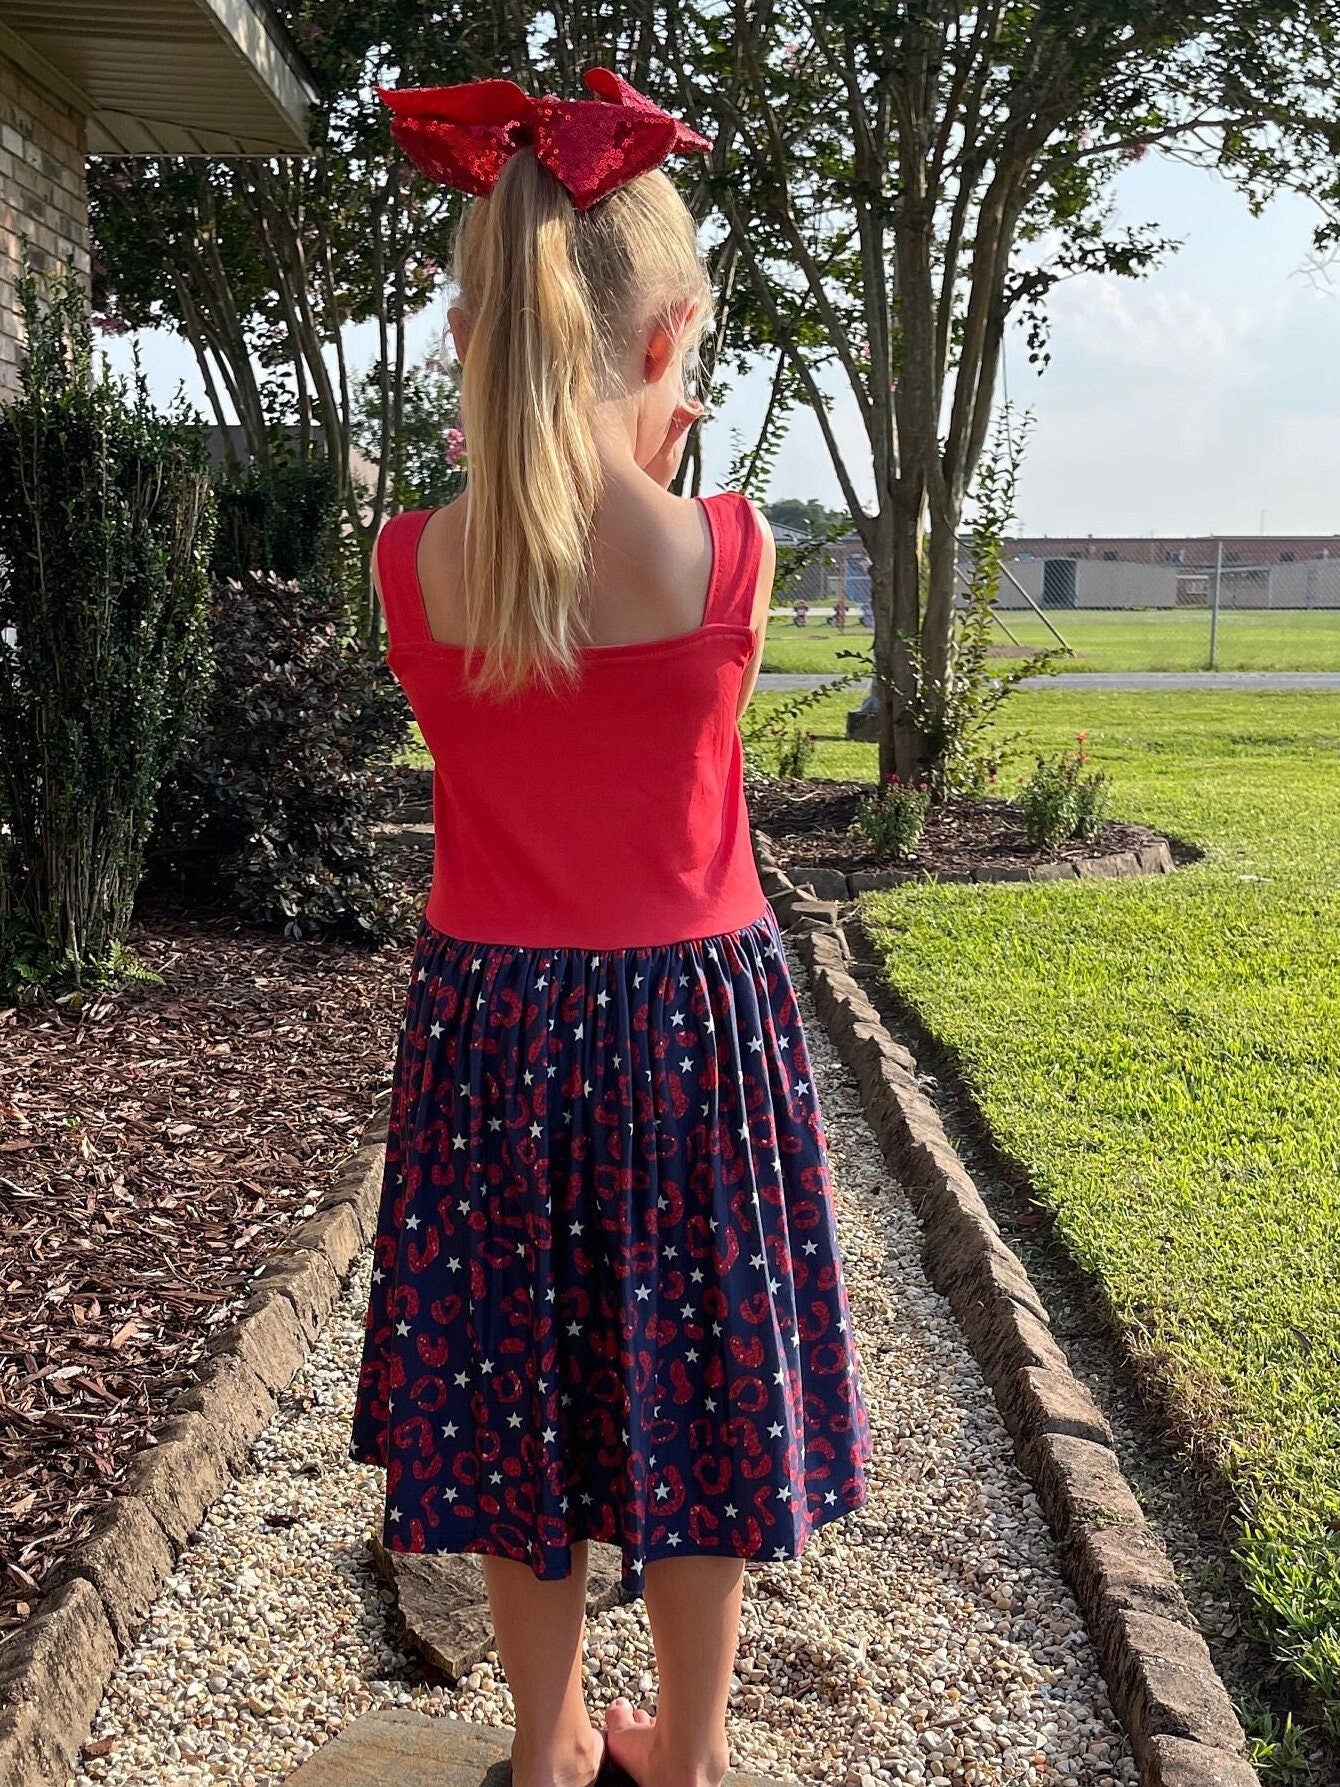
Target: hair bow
(462, 136)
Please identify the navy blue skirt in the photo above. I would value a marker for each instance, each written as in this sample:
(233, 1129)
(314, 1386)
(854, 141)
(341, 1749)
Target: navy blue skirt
(607, 1293)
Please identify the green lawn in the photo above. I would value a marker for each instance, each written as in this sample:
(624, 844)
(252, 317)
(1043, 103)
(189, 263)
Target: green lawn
(1164, 1057)
(1141, 639)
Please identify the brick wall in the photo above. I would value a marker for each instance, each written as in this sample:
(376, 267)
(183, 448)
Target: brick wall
(42, 196)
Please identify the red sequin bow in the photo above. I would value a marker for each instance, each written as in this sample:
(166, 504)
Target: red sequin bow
(461, 136)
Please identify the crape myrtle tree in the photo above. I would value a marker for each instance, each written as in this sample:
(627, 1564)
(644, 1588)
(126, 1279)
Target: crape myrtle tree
(261, 263)
(899, 181)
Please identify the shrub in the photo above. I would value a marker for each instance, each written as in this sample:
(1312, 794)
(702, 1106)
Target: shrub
(105, 525)
(282, 517)
(894, 815)
(1059, 801)
(273, 805)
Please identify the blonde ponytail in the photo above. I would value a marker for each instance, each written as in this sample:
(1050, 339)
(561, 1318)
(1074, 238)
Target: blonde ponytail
(552, 296)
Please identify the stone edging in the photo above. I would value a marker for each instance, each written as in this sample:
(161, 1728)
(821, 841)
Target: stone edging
(1160, 1676)
(56, 1669)
(829, 883)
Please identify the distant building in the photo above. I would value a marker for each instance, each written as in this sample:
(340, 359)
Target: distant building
(1252, 570)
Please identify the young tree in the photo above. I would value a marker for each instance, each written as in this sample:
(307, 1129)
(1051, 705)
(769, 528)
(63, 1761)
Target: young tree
(906, 178)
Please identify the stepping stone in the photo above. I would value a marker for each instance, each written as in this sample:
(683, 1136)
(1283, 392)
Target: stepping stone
(444, 1608)
(400, 1748)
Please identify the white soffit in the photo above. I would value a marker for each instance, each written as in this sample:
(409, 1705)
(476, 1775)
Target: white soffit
(167, 77)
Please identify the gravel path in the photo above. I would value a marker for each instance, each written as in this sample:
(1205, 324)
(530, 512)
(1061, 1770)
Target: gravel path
(1284, 681)
(926, 1639)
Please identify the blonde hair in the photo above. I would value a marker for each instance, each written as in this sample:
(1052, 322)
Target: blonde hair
(553, 296)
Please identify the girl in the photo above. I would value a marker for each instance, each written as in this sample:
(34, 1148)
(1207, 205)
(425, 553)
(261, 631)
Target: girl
(607, 1297)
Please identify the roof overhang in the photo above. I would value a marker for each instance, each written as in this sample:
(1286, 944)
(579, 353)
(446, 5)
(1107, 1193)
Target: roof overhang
(167, 77)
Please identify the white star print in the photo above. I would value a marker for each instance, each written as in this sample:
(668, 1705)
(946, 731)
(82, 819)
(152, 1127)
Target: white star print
(436, 1030)
(396, 1514)
(458, 1140)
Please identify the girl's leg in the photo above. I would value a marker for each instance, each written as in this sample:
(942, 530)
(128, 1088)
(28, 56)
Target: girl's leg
(693, 1604)
(539, 1628)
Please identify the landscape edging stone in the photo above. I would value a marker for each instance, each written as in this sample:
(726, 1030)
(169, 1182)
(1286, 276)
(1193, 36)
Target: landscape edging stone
(830, 883)
(55, 1670)
(1160, 1676)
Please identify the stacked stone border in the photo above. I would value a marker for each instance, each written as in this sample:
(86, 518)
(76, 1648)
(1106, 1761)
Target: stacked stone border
(1160, 1676)
(830, 883)
(55, 1671)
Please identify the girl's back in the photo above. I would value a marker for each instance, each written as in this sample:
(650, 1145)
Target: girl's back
(609, 813)
(608, 1299)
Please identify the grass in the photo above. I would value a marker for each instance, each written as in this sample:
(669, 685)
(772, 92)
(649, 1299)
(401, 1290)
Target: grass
(1163, 1056)
(1136, 639)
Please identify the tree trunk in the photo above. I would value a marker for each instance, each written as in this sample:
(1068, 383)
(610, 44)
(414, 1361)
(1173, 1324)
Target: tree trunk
(906, 741)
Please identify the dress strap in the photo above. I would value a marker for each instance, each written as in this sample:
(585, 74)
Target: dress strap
(398, 575)
(737, 542)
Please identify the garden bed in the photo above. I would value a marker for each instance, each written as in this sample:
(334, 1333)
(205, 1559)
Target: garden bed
(811, 827)
(156, 1145)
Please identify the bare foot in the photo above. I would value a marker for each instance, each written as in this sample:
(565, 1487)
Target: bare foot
(629, 1731)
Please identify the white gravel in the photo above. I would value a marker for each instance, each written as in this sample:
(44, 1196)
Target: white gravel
(927, 1638)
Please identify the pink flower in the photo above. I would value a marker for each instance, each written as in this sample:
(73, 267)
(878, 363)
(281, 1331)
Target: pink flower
(455, 448)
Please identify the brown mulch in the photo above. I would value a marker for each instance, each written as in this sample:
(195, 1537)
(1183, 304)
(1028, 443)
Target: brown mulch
(813, 822)
(155, 1147)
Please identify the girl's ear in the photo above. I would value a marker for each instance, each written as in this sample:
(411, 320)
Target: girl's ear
(660, 353)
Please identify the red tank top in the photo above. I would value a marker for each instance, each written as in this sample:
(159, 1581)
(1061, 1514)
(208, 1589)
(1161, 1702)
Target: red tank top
(608, 816)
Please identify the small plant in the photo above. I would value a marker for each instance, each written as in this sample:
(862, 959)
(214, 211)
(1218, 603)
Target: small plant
(769, 734)
(894, 816)
(795, 752)
(1059, 801)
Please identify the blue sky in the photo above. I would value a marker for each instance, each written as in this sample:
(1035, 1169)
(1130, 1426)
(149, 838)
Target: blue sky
(1204, 398)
